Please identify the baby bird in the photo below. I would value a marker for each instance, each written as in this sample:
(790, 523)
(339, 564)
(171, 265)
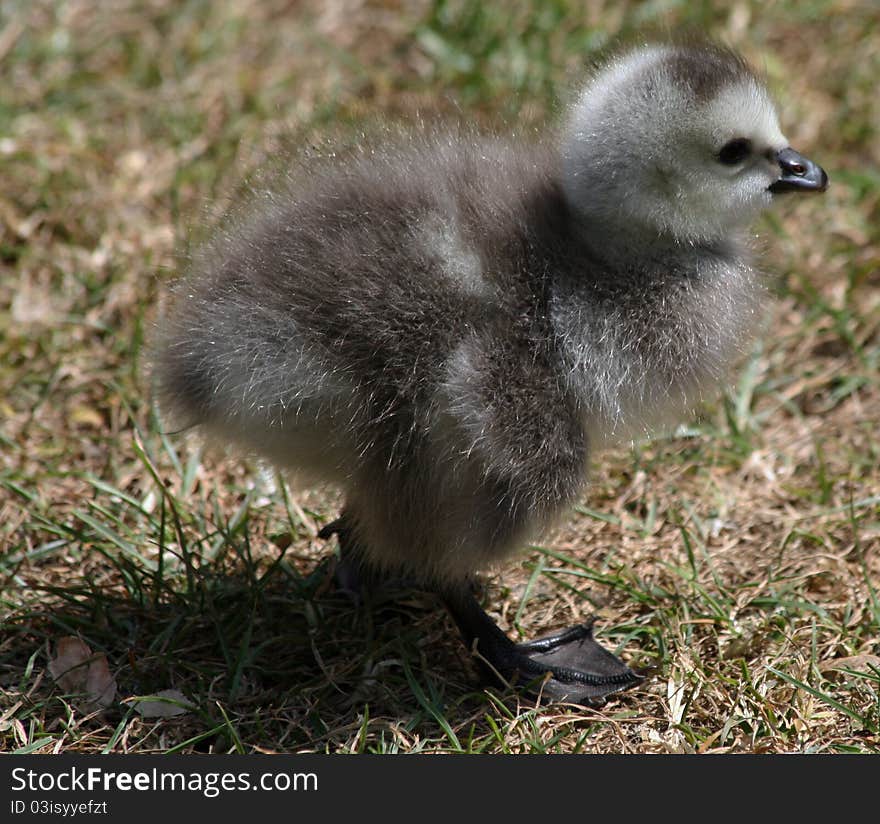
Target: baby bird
(446, 326)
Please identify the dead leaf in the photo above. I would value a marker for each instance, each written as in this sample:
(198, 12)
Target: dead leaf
(86, 416)
(164, 704)
(852, 662)
(32, 304)
(79, 671)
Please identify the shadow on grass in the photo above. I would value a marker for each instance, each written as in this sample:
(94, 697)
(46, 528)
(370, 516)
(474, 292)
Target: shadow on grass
(284, 664)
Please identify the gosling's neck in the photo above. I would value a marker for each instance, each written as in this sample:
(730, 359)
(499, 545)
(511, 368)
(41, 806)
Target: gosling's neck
(627, 250)
(646, 323)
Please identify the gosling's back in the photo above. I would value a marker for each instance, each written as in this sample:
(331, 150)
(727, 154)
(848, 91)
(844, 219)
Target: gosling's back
(384, 324)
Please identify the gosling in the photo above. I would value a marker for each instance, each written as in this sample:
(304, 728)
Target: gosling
(446, 325)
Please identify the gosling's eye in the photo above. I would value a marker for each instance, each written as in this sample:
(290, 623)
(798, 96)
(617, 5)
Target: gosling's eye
(736, 151)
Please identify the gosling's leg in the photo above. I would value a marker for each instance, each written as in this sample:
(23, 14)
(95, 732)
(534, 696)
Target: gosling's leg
(349, 573)
(568, 666)
(354, 575)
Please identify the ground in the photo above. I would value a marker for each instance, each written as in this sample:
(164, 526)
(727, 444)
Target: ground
(736, 562)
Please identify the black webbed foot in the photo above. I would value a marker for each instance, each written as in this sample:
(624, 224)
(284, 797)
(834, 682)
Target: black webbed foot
(583, 671)
(567, 666)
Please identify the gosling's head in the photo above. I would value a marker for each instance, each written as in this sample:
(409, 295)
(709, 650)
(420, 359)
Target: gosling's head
(682, 141)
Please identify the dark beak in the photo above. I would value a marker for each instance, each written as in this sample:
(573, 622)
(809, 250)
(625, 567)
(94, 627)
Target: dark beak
(798, 174)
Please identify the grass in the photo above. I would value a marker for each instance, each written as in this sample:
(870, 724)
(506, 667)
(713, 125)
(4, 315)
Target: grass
(736, 562)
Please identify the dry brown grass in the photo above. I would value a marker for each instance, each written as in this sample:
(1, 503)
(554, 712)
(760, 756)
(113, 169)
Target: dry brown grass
(739, 562)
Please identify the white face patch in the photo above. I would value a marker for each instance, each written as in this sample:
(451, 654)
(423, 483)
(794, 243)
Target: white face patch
(745, 110)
